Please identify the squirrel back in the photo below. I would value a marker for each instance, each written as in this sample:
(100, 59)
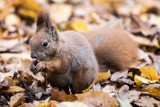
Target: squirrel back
(114, 49)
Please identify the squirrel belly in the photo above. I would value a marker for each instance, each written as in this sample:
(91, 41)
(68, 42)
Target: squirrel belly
(113, 48)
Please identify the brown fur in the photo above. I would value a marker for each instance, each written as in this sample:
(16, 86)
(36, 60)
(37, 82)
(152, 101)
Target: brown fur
(68, 58)
(114, 49)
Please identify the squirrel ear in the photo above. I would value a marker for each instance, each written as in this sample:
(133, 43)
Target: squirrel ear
(54, 33)
(43, 20)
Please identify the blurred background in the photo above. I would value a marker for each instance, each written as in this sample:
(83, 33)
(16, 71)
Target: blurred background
(141, 18)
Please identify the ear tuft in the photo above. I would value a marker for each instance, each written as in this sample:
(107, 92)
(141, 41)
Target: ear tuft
(43, 20)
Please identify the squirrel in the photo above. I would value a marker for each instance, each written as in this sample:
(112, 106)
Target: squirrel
(113, 47)
(67, 57)
(74, 59)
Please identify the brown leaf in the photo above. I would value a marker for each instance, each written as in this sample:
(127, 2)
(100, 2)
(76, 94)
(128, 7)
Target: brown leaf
(117, 75)
(62, 96)
(97, 99)
(147, 101)
(16, 99)
(125, 94)
(13, 89)
(138, 26)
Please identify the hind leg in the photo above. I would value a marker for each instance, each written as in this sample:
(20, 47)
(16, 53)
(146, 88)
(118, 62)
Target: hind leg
(82, 80)
(59, 81)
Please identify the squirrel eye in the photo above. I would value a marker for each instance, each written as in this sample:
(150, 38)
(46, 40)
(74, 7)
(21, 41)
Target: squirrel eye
(45, 43)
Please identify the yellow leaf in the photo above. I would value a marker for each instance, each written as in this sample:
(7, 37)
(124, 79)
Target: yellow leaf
(153, 91)
(140, 80)
(28, 13)
(47, 104)
(32, 4)
(100, 77)
(80, 25)
(100, 1)
(10, 81)
(149, 72)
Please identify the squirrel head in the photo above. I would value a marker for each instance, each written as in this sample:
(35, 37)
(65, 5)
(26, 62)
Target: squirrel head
(44, 43)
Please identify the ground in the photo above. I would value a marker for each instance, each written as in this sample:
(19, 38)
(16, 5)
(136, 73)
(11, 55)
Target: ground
(137, 86)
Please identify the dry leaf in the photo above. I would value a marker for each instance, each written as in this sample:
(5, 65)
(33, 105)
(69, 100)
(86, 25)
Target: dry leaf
(61, 96)
(129, 95)
(13, 89)
(140, 80)
(11, 81)
(97, 99)
(147, 101)
(100, 77)
(60, 12)
(47, 104)
(16, 99)
(12, 19)
(7, 44)
(72, 104)
(80, 25)
(117, 75)
(153, 91)
(149, 73)
(3, 75)
(27, 13)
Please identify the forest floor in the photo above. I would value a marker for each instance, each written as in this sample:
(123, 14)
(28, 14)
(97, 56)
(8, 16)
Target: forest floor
(137, 86)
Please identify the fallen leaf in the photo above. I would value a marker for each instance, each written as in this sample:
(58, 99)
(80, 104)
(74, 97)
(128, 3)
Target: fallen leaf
(124, 103)
(60, 13)
(27, 13)
(7, 44)
(128, 95)
(80, 25)
(100, 77)
(4, 75)
(149, 73)
(146, 101)
(61, 96)
(140, 80)
(153, 91)
(13, 89)
(11, 81)
(117, 75)
(12, 19)
(47, 104)
(16, 99)
(71, 104)
(97, 99)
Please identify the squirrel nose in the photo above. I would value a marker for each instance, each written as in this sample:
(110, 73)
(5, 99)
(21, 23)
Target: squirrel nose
(33, 55)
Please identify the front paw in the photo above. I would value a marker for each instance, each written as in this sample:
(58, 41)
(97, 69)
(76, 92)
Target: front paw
(33, 65)
(38, 67)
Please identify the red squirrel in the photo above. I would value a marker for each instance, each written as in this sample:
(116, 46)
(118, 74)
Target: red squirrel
(71, 59)
(113, 47)
(67, 57)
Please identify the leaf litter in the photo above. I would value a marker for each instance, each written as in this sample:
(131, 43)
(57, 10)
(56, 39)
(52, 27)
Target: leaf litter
(138, 86)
